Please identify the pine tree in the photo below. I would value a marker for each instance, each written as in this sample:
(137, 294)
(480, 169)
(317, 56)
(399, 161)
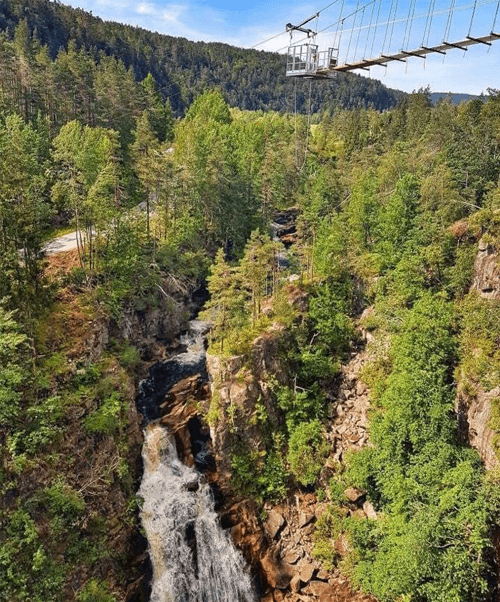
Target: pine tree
(144, 150)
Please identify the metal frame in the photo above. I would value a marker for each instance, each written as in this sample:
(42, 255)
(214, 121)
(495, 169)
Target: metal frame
(306, 61)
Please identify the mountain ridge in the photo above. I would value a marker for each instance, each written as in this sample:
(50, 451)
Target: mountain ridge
(250, 79)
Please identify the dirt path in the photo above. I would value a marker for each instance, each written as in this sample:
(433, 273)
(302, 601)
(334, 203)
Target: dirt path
(61, 244)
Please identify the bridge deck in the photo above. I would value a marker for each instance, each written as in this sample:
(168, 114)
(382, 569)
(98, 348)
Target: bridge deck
(422, 52)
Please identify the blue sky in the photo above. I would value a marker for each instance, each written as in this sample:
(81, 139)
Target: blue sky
(246, 23)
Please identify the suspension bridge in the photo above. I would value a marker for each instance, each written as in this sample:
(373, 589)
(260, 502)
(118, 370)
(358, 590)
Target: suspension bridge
(346, 36)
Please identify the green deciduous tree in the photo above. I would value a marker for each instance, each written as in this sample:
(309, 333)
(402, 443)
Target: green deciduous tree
(88, 181)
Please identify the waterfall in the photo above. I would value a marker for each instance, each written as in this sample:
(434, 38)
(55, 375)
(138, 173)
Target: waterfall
(193, 558)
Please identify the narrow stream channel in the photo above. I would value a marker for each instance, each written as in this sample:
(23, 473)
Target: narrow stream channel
(193, 558)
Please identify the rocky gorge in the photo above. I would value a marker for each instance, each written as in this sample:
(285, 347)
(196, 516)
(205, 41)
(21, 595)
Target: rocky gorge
(277, 540)
(183, 387)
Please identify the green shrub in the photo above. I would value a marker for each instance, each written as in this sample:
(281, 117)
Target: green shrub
(299, 406)
(130, 357)
(432, 543)
(108, 418)
(460, 274)
(61, 499)
(262, 474)
(307, 452)
(27, 572)
(329, 526)
(95, 591)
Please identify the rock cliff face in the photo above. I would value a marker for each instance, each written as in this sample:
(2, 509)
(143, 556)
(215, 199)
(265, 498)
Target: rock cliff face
(237, 388)
(279, 547)
(285, 541)
(474, 412)
(473, 418)
(486, 278)
(277, 544)
(152, 330)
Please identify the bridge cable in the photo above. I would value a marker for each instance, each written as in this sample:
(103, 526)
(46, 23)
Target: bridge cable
(352, 31)
(428, 24)
(472, 17)
(338, 37)
(369, 30)
(409, 24)
(268, 39)
(408, 27)
(460, 8)
(333, 24)
(495, 18)
(359, 33)
(387, 27)
(295, 122)
(448, 22)
(327, 6)
(494, 23)
(376, 26)
(308, 124)
(393, 23)
(284, 32)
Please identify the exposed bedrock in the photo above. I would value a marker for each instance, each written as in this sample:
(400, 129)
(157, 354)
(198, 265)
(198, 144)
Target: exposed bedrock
(486, 278)
(279, 544)
(474, 411)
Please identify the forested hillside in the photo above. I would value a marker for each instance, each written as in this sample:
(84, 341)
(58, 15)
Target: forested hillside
(250, 79)
(390, 210)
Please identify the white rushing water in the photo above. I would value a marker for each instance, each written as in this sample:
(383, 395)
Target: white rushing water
(192, 556)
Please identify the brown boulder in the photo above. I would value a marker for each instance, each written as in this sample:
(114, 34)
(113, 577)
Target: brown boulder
(274, 523)
(323, 575)
(306, 571)
(305, 519)
(278, 574)
(342, 544)
(324, 591)
(474, 424)
(486, 277)
(353, 494)
(295, 584)
(291, 557)
(369, 510)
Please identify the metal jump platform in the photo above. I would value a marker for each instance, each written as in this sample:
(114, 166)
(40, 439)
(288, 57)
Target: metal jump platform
(306, 61)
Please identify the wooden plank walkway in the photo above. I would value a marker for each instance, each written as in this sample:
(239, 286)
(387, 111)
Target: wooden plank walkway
(422, 52)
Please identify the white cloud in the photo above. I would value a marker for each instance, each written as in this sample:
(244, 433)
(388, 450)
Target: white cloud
(145, 8)
(173, 13)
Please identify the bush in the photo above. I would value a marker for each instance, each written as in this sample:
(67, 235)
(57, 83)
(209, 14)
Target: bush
(130, 357)
(95, 591)
(107, 419)
(432, 543)
(307, 452)
(61, 499)
(299, 406)
(261, 474)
